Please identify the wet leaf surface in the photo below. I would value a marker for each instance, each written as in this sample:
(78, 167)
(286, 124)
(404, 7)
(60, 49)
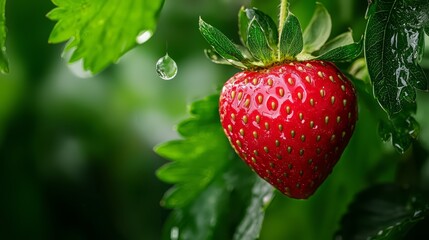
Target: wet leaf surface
(99, 32)
(385, 211)
(394, 41)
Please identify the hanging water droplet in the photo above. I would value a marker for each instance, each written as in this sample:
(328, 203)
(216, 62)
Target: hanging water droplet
(166, 67)
(76, 67)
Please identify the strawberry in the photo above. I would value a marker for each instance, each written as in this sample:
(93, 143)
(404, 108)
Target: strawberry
(290, 123)
(290, 113)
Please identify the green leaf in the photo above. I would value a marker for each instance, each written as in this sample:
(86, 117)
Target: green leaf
(250, 226)
(101, 31)
(4, 64)
(258, 44)
(235, 190)
(393, 44)
(403, 130)
(383, 212)
(215, 57)
(220, 43)
(200, 219)
(318, 30)
(195, 163)
(291, 41)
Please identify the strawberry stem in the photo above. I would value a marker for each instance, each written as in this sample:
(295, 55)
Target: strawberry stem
(284, 11)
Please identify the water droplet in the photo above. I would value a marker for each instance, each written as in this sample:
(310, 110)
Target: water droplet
(144, 36)
(76, 67)
(166, 67)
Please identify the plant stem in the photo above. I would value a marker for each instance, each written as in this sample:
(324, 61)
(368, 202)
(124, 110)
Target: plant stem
(283, 14)
(282, 19)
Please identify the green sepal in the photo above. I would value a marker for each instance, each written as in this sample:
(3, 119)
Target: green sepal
(318, 30)
(291, 42)
(220, 43)
(218, 59)
(264, 45)
(258, 43)
(267, 23)
(243, 25)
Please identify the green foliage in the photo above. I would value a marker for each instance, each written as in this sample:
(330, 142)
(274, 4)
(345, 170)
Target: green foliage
(403, 131)
(99, 32)
(269, 45)
(198, 158)
(383, 212)
(202, 217)
(4, 65)
(394, 43)
(231, 207)
(251, 224)
(393, 48)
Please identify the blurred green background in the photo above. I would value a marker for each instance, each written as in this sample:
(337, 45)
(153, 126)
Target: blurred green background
(76, 158)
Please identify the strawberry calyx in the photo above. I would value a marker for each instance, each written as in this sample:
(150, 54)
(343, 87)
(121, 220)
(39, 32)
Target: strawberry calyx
(264, 44)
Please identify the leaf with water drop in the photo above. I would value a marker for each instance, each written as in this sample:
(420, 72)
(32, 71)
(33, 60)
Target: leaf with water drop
(394, 40)
(403, 130)
(166, 68)
(101, 31)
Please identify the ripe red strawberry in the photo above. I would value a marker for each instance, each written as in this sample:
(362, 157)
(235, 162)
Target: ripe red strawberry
(290, 123)
(290, 114)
